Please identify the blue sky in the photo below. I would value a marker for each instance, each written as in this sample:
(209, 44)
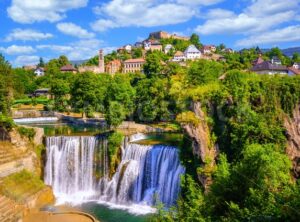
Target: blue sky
(30, 29)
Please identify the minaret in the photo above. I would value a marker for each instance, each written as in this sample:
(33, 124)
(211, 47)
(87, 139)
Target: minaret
(101, 62)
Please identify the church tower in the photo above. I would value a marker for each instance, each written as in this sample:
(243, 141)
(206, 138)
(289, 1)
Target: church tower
(101, 62)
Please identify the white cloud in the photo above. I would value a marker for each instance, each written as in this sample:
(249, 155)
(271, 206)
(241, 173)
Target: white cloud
(26, 60)
(102, 25)
(261, 15)
(219, 13)
(55, 48)
(27, 35)
(29, 11)
(72, 29)
(82, 49)
(141, 13)
(15, 49)
(199, 2)
(287, 34)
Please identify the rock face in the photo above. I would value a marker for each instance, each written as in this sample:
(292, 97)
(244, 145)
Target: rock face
(292, 126)
(202, 145)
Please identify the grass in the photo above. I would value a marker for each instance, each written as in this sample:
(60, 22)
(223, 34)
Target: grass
(21, 185)
(168, 126)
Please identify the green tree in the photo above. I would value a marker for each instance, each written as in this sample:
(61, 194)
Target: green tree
(6, 88)
(60, 88)
(195, 40)
(115, 114)
(41, 62)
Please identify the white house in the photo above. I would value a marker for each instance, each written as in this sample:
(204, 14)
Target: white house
(128, 48)
(168, 48)
(40, 71)
(179, 57)
(192, 53)
(296, 65)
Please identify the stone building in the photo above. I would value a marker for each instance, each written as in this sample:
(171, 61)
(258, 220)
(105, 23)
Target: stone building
(113, 67)
(133, 65)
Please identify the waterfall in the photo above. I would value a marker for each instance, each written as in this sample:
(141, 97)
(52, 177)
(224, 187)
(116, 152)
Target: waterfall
(36, 120)
(77, 168)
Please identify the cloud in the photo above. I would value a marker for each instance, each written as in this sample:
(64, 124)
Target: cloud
(26, 60)
(15, 49)
(78, 50)
(261, 15)
(29, 11)
(141, 13)
(55, 48)
(27, 35)
(287, 34)
(199, 2)
(72, 29)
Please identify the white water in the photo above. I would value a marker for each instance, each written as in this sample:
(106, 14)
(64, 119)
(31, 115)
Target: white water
(137, 137)
(36, 120)
(145, 174)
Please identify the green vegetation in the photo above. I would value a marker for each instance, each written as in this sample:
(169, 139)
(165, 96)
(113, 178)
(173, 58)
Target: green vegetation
(21, 185)
(26, 132)
(114, 144)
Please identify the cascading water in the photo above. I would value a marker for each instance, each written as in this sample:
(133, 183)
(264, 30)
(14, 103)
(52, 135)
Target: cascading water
(77, 169)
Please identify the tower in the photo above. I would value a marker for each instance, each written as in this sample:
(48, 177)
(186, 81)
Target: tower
(101, 62)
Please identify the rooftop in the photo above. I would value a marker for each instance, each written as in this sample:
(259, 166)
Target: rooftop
(68, 67)
(139, 60)
(192, 49)
(268, 66)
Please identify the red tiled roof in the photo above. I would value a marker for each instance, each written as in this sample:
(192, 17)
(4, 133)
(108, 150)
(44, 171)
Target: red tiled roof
(295, 71)
(140, 60)
(68, 67)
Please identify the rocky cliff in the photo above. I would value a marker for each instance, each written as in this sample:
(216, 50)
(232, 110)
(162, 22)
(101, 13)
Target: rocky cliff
(292, 125)
(203, 146)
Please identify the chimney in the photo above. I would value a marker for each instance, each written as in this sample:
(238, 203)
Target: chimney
(101, 62)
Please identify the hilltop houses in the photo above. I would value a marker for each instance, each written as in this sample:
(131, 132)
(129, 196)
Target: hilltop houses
(113, 67)
(95, 69)
(179, 57)
(165, 35)
(39, 71)
(133, 65)
(168, 48)
(68, 68)
(192, 53)
(208, 49)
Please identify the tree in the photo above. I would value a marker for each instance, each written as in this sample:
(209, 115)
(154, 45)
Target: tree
(202, 72)
(115, 114)
(195, 40)
(6, 88)
(87, 93)
(41, 63)
(60, 88)
(296, 57)
(63, 60)
(137, 53)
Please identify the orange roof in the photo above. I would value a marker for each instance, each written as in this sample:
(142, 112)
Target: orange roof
(116, 62)
(295, 71)
(179, 53)
(68, 67)
(140, 60)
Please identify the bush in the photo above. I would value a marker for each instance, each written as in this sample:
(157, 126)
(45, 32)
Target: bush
(26, 132)
(6, 122)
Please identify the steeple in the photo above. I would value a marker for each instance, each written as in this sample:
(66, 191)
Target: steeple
(101, 62)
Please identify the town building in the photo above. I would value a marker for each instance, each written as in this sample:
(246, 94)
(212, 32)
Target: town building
(165, 35)
(138, 45)
(208, 49)
(30, 67)
(42, 92)
(179, 57)
(192, 53)
(133, 65)
(68, 68)
(296, 65)
(168, 48)
(95, 69)
(113, 67)
(276, 60)
(152, 45)
(257, 61)
(40, 71)
(267, 67)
